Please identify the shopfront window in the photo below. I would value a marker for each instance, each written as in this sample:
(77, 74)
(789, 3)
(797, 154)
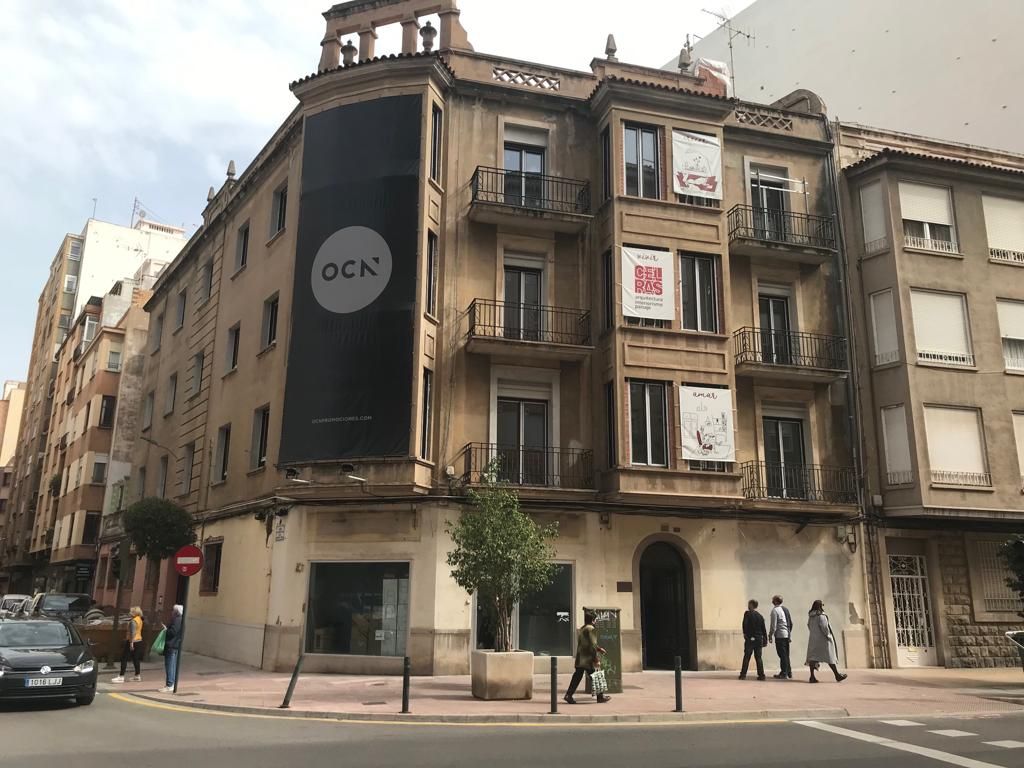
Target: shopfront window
(358, 608)
(542, 623)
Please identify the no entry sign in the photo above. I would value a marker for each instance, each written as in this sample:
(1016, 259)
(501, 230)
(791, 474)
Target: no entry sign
(188, 560)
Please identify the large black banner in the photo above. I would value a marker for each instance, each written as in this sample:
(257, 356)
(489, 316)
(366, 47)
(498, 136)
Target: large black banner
(349, 380)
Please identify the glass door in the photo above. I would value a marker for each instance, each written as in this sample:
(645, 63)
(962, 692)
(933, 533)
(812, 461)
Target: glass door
(522, 441)
(768, 197)
(776, 344)
(522, 303)
(524, 167)
(785, 470)
(912, 611)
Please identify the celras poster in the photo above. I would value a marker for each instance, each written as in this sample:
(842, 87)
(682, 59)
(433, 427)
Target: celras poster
(696, 165)
(350, 369)
(648, 286)
(706, 419)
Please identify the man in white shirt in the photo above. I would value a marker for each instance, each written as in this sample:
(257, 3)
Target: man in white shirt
(781, 633)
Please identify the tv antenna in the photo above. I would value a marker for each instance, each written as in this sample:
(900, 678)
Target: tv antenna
(732, 33)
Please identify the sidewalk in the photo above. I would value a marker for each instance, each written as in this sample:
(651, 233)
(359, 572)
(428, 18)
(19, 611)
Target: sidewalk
(648, 696)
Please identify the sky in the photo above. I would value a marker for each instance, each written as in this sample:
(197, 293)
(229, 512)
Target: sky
(117, 100)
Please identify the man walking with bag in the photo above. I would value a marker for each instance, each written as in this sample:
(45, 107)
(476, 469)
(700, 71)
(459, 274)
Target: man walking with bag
(755, 637)
(587, 660)
(781, 633)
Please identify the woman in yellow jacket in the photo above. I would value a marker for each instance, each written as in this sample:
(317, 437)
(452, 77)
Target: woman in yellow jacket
(133, 647)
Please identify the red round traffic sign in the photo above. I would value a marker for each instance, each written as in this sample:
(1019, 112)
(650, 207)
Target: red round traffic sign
(188, 560)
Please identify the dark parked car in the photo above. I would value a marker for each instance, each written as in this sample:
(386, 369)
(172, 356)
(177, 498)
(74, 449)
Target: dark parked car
(45, 659)
(60, 605)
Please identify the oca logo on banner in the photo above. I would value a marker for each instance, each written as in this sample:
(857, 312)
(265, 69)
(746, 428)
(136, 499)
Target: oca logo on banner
(351, 270)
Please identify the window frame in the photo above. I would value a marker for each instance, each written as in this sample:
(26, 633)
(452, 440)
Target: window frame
(436, 136)
(198, 363)
(271, 314)
(433, 251)
(877, 357)
(607, 164)
(969, 358)
(148, 405)
(242, 238)
(205, 282)
(279, 210)
(111, 412)
(222, 456)
(188, 461)
(213, 556)
(171, 395)
(163, 469)
(978, 582)
(647, 385)
(180, 310)
(427, 416)
(694, 275)
(234, 345)
(641, 191)
(260, 438)
(1017, 366)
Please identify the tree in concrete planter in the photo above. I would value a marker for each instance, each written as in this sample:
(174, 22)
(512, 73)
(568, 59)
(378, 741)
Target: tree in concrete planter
(1012, 553)
(500, 554)
(157, 528)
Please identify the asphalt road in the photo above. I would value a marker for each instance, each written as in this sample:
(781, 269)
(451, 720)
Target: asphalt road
(116, 731)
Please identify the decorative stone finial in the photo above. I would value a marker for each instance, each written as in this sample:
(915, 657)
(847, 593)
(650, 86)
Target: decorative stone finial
(685, 59)
(610, 49)
(348, 53)
(210, 195)
(231, 170)
(428, 33)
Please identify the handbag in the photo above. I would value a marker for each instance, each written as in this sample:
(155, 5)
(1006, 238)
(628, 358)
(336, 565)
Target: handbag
(598, 682)
(159, 643)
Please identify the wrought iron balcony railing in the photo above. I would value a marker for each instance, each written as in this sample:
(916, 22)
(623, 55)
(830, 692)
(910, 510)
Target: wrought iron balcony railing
(791, 348)
(799, 482)
(534, 191)
(528, 322)
(781, 227)
(543, 467)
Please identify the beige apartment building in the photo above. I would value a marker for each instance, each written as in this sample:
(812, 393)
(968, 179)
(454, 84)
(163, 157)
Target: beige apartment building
(11, 404)
(936, 240)
(618, 284)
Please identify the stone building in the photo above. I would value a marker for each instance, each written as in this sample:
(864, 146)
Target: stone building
(936, 241)
(619, 284)
(11, 404)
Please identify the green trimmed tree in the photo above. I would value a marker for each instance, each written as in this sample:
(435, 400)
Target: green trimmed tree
(1012, 553)
(501, 555)
(157, 528)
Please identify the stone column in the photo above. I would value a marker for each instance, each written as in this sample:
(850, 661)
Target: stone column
(452, 33)
(330, 52)
(410, 35)
(367, 41)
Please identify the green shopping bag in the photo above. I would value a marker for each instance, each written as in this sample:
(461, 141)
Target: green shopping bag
(158, 644)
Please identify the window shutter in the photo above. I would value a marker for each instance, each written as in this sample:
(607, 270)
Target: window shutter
(872, 212)
(1018, 431)
(1004, 221)
(1011, 319)
(520, 134)
(883, 318)
(954, 440)
(925, 202)
(940, 323)
(897, 444)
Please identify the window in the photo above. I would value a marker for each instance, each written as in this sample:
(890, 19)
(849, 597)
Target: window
(610, 430)
(279, 210)
(91, 530)
(883, 326)
(172, 392)
(141, 482)
(156, 332)
(114, 359)
(927, 217)
(642, 164)
(648, 419)
(197, 372)
(1011, 328)
(242, 246)
(872, 217)
(107, 405)
(608, 287)
(993, 599)
(179, 318)
(698, 282)
(234, 334)
(941, 328)
(147, 410)
(426, 425)
(898, 467)
(75, 252)
(436, 124)
(260, 435)
(375, 618)
(186, 468)
(268, 333)
(64, 321)
(1018, 432)
(786, 471)
(161, 477)
(209, 581)
(522, 434)
(956, 446)
(206, 281)
(1004, 222)
(89, 331)
(99, 470)
(606, 164)
(220, 473)
(431, 299)
(524, 168)
(545, 617)
(70, 283)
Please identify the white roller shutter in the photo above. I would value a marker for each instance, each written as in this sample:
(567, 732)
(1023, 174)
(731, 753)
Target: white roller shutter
(1011, 319)
(925, 202)
(1004, 222)
(954, 440)
(883, 320)
(521, 134)
(897, 444)
(872, 212)
(940, 323)
(1018, 431)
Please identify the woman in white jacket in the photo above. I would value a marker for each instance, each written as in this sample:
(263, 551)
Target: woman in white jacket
(821, 643)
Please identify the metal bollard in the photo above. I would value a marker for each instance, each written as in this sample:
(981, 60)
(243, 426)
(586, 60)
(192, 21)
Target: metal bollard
(554, 685)
(291, 683)
(679, 684)
(406, 670)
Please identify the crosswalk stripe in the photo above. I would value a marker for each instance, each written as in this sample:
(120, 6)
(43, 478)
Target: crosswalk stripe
(952, 733)
(1008, 744)
(901, 723)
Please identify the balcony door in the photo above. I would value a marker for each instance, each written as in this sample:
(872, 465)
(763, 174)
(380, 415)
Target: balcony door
(524, 166)
(776, 344)
(523, 291)
(522, 448)
(785, 463)
(768, 199)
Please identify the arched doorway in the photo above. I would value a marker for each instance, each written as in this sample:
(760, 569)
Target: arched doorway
(666, 607)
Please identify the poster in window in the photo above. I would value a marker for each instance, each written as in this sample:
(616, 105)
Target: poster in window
(706, 420)
(696, 165)
(648, 284)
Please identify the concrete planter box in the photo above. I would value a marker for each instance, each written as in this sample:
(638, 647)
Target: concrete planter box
(502, 675)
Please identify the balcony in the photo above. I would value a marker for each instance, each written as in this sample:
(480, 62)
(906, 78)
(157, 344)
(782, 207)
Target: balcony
(1006, 256)
(798, 237)
(769, 354)
(515, 198)
(970, 479)
(566, 468)
(765, 481)
(504, 328)
(930, 244)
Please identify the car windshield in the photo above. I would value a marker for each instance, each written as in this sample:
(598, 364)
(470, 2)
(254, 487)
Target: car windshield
(66, 603)
(34, 634)
(10, 603)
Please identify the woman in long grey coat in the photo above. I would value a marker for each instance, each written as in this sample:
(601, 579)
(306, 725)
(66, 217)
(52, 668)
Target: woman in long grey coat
(821, 643)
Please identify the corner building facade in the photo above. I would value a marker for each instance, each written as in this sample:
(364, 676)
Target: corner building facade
(664, 374)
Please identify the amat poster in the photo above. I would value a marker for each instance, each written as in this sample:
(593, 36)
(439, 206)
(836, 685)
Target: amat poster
(696, 165)
(705, 414)
(648, 284)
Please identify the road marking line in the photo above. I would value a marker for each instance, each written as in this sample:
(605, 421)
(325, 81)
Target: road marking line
(1008, 744)
(901, 723)
(934, 754)
(952, 733)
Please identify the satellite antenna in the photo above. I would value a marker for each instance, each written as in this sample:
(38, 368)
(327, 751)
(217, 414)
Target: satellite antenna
(732, 33)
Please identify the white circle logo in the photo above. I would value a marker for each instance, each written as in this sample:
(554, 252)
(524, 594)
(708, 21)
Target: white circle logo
(351, 270)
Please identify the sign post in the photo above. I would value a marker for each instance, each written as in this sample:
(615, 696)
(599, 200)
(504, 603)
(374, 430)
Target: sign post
(188, 561)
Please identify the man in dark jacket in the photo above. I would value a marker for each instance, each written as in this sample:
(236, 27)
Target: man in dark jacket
(172, 646)
(755, 637)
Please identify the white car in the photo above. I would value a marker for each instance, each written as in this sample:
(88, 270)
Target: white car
(10, 604)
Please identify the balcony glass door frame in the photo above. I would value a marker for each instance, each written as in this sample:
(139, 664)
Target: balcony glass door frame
(775, 320)
(524, 459)
(524, 171)
(785, 463)
(524, 298)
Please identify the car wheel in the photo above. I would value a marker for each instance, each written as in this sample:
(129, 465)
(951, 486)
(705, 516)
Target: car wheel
(85, 701)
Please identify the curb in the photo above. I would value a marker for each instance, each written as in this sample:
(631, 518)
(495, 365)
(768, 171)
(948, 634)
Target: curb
(654, 717)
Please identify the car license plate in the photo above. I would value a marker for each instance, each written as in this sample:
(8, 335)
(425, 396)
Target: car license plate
(43, 682)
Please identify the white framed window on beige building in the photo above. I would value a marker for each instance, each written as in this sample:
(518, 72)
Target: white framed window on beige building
(279, 209)
(147, 410)
(161, 477)
(1004, 223)
(872, 218)
(205, 281)
(171, 394)
(941, 328)
(992, 599)
(898, 466)
(222, 455)
(1011, 329)
(186, 468)
(927, 212)
(956, 446)
(198, 360)
(884, 328)
(179, 312)
(1018, 433)
(260, 438)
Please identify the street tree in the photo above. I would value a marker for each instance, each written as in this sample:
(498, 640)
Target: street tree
(1012, 553)
(157, 528)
